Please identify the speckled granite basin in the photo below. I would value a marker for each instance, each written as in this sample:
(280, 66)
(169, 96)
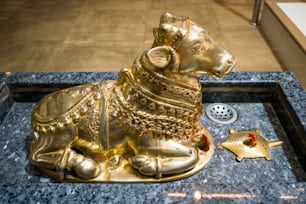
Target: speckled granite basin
(274, 103)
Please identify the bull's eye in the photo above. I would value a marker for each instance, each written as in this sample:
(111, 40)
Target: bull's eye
(199, 48)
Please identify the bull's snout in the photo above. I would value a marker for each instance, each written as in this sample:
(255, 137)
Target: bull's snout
(225, 66)
(229, 63)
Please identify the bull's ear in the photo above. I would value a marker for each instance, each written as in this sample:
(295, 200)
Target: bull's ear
(159, 57)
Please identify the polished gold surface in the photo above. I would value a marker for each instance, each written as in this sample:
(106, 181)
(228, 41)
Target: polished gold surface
(145, 126)
(248, 144)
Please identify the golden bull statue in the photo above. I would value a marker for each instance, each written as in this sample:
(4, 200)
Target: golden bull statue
(143, 127)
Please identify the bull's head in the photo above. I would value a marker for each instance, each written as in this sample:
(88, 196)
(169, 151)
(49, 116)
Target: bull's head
(198, 52)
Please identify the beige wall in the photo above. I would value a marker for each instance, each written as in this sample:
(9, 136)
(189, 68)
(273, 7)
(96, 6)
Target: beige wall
(287, 42)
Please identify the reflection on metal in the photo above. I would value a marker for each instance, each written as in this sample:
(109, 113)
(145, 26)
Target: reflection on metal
(140, 128)
(221, 113)
(248, 144)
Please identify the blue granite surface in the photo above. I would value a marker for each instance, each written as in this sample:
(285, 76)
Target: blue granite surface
(6, 100)
(54, 79)
(281, 180)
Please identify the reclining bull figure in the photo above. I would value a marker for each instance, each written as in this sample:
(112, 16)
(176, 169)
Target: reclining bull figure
(143, 125)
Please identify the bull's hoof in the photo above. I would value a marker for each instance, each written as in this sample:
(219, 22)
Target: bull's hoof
(149, 166)
(87, 169)
(83, 167)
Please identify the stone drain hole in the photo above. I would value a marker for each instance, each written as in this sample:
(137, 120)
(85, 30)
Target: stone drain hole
(221, 113)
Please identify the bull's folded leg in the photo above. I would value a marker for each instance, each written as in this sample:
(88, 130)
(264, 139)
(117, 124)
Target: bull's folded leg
(66, 160)
(48, 160)
(89, 149)
(158, 166)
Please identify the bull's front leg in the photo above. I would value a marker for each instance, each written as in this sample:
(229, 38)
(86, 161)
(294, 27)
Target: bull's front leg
(165, 157)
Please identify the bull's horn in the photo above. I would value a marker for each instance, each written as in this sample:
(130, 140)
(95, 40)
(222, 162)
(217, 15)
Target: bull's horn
(175, 61)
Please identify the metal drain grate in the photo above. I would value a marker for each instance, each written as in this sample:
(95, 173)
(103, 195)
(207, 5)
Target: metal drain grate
(221, 113)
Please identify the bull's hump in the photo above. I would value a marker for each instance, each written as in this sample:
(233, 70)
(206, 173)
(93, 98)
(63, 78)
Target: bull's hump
(58, 104)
